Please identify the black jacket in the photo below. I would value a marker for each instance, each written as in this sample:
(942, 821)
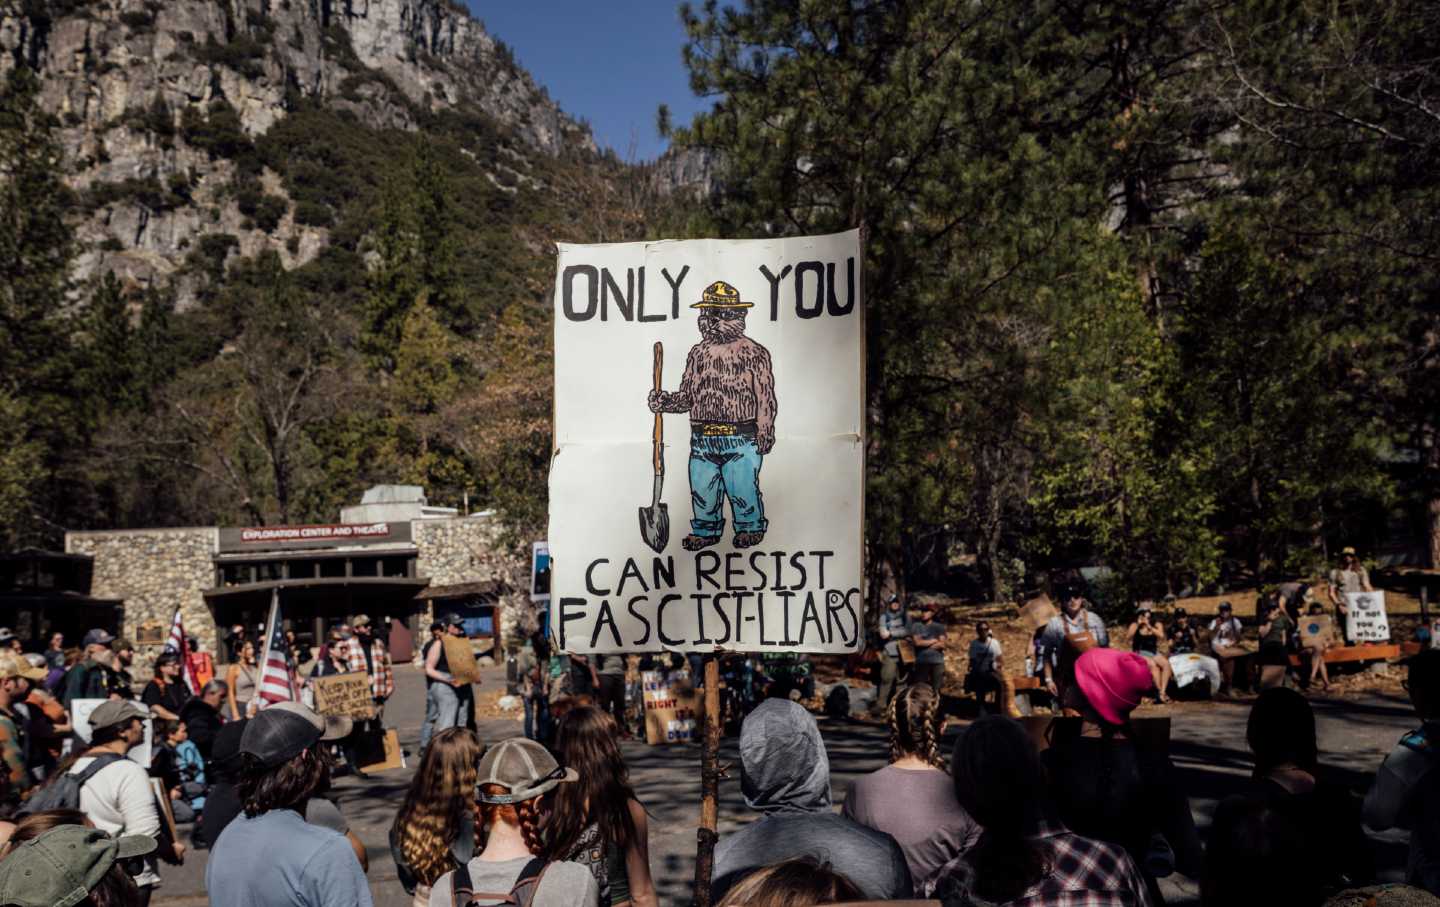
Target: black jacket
(202, 722)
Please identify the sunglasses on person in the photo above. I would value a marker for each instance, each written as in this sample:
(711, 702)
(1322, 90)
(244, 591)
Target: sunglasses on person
(725, 314)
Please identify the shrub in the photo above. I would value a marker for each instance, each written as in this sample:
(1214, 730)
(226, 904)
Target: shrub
(219, 133)
(313, 214)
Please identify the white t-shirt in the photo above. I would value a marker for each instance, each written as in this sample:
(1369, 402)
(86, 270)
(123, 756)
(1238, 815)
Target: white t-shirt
(119, 800)
(982, 655)
(1225, 632)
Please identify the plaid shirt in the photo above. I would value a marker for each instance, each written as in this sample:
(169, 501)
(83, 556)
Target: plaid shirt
(382, 679)
(1082, 872)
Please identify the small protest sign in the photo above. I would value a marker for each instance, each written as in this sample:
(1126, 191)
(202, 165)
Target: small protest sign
(672, 708)
(386, 755)
(80, 710)
(344, 695)
(461, 657)
(1315, 630)
(162, 805)
(1366, 618)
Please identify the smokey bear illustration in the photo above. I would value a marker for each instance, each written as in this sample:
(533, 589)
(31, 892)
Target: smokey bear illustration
(728, 388)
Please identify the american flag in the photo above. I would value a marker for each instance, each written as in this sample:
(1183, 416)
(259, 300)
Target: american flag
(180, 643)
(275, 685)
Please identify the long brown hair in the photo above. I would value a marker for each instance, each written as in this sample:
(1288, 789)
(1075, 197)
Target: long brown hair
(915, 725)
(30, 827)
(793, 883)
(588, 743)
(441, 795)
(525, 814)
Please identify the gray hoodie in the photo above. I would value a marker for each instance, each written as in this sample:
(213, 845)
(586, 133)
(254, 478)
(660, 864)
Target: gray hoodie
(785, 775)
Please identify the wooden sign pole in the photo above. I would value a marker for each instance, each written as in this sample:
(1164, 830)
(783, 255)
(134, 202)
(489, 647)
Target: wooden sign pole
(709, 784)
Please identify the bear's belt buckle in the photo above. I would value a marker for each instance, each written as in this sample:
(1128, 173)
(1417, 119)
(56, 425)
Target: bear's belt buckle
(719, 429)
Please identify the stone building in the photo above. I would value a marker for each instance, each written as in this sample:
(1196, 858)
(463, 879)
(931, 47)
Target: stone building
(393, 558)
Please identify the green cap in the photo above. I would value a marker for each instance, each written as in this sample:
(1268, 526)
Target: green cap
(59, 868)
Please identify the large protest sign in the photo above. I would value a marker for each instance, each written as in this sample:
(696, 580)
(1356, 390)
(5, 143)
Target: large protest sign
(1366, 618)
(707, 481)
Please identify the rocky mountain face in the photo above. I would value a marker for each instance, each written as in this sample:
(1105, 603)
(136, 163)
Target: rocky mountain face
(151, 94)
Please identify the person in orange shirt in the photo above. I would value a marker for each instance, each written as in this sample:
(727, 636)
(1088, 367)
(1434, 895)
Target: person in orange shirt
(202, 665)
(48, 727)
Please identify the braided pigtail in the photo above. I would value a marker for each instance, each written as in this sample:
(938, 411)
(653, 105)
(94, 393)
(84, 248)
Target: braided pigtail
(928, 724)
(529, 814)
(915, 725)
(898, 719)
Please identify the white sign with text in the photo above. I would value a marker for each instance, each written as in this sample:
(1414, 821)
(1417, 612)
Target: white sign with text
(1366, 618)
(707, 481)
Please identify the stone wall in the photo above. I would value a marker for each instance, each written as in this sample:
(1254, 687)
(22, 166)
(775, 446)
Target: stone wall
(154, 570)
(470, 550)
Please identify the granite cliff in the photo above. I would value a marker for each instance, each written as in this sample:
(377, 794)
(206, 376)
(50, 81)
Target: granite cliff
(158, 102)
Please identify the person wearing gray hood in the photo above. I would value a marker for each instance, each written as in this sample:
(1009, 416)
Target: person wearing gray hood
(785, 775)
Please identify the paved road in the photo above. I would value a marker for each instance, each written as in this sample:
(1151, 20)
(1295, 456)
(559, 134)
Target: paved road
(1208, 745)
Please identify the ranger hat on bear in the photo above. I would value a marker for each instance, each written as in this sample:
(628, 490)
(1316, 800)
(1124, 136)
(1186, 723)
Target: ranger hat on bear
(721, 295)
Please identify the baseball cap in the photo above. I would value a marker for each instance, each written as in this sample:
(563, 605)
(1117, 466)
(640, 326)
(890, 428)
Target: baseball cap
(284, 730)
(115, 711)
(59, 868)
(361, 620)
(167, 657)
(120, 644)
(524, 768)
(453, 618)
(1225, 606)
(12, 665)
(6, 634)
(97, 637)
(1348, 549)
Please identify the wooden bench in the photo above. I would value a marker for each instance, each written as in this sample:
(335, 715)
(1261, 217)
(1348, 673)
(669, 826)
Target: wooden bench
(1341, 654)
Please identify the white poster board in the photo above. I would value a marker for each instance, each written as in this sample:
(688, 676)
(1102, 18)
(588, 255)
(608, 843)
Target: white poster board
(1365, 617)
(80, 710)
(760, 456)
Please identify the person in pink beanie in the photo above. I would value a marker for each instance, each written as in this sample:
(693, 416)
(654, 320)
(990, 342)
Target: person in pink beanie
(1111, 682)
(1106, 784)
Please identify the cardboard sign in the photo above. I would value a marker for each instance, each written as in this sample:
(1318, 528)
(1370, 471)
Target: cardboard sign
(80, 710)
(672, 708)
(393, 756)
(344, 695)
(1037, 611)
(461, 657)
(162, 803)
(1366, 618)
(1315, 629)
(715, 390)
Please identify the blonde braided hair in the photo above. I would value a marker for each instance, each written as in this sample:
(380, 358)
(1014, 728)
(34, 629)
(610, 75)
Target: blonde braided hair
(915, 725)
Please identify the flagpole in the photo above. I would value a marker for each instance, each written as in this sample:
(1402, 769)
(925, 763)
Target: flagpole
(265, 653)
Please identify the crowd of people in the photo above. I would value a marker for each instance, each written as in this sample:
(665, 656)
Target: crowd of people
(1080, 810)
(189, 724)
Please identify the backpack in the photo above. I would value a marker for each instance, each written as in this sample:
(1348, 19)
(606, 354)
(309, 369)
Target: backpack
(462, 893)
(63, 792)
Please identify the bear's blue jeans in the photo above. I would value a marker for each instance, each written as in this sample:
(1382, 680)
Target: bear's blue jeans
(721, 466)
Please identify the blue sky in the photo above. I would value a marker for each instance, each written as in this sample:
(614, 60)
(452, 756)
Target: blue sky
(611, 62)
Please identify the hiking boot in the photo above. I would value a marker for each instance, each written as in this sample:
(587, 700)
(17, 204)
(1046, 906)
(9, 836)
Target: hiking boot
(748, 539)
(693, 542)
